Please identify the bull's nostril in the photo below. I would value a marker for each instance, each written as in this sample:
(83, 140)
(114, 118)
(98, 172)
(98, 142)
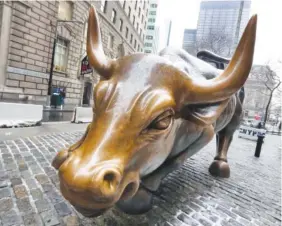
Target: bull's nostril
(109, 177)
(111, 180)
(106, 181)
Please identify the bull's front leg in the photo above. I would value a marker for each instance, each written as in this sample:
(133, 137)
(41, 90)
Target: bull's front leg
(219, 166)
(141, 202)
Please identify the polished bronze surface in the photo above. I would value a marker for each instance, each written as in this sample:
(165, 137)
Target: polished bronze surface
(152, 112)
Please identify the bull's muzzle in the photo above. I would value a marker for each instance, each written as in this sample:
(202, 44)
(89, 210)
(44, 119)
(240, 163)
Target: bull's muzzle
(92, 189)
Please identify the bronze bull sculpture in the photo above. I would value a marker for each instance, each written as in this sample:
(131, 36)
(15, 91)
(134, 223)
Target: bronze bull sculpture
(152, 112)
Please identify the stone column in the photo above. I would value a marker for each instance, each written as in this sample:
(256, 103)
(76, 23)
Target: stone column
(5, 18)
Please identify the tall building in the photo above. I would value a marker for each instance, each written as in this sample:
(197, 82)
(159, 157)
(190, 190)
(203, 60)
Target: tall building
(221, 24)
(152, 31)
(28, 31)
(189, 39)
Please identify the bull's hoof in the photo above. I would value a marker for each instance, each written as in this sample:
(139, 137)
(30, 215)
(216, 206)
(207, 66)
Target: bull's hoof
(140, 203)
(219, 168)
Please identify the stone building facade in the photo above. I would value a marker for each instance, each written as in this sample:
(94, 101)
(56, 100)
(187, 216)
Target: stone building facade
(28, 32)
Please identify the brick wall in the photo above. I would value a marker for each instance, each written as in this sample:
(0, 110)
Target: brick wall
(30, 47)
(31, 44)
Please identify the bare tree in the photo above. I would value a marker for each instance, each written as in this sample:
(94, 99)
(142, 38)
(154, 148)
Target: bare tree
(271, 81)
(275, 111)
(217, 41)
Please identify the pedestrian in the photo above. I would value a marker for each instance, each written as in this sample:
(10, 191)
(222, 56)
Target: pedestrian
(259, 126)
(63, 96)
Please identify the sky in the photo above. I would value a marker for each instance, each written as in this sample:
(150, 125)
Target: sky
(184, 14)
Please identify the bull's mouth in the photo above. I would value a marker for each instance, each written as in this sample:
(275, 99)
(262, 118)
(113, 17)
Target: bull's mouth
(92, 206)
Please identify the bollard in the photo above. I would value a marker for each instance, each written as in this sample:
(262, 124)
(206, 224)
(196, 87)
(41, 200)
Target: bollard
(259, 144)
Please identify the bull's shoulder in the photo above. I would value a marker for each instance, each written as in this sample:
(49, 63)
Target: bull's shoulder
(193, 66)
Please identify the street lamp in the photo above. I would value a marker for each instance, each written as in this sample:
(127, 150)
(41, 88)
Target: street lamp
(53, 56)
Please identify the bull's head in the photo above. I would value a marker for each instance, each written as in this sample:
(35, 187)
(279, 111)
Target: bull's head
(136, 103)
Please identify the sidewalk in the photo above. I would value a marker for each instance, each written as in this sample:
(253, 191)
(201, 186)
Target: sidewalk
(45, 128)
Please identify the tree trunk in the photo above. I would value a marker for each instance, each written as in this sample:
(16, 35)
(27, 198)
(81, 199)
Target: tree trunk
(267, 108)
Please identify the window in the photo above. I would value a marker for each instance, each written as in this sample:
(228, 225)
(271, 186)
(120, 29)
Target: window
(110, 41)
(126, 32)
(140, 32)
(153, 13)
(136, 4)
(148, 44)
(138, 49)
(137, 27)
(143, 37)
(152, 20)
(135, 43)
(154, 5)
(131, 38)
(142, 19)
(129, 12)
(61, 55)
(149, 37)
(114, 14)
(65, 10)
(147, 51)
(141, 50)
(145, 25)
(139, 12)
(103, 6)
(120, 24)
(133, 21)
(144, 5)
(150, 27)
(124, 4)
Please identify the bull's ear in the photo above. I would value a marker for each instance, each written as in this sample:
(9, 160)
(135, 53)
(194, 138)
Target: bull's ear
(206, 114)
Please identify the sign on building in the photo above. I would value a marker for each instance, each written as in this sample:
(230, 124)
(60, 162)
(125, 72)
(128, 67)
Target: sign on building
(85, 66)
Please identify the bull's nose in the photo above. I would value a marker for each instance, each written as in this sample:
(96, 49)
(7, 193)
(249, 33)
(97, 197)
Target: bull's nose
(107, 180)
(59, 159)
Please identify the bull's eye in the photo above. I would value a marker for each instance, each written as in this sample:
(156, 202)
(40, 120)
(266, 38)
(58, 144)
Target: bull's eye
(162, 122)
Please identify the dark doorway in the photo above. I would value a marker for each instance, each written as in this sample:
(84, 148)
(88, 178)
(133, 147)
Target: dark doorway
(87, 93)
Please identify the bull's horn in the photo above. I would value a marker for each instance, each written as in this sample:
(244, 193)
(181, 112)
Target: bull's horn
(232, 78)
(95, 52)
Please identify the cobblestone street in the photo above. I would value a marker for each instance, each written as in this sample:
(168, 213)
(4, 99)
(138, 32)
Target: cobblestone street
(29, 189)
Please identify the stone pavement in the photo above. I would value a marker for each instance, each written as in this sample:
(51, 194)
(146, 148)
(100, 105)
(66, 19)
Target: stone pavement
(29, 192)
